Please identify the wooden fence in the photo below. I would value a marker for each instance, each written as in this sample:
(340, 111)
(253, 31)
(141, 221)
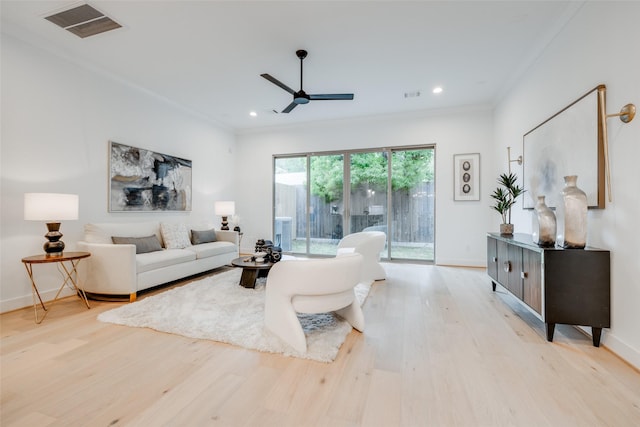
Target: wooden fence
(413, 211)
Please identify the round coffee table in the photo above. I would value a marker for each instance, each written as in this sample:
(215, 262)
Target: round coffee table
(251, 270)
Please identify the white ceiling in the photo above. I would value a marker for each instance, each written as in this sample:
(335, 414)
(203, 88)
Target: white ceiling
(207, 56)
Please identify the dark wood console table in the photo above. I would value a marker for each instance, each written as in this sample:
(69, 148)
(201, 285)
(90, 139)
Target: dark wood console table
(566, 286)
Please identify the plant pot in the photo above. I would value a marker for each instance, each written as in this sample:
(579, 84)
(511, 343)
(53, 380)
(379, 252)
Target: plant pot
(506, 229)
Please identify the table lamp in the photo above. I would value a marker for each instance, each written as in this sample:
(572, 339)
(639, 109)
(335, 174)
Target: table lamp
(225, 209)
(52, 208)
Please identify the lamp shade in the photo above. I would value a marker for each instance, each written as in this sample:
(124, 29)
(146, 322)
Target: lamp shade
(50, 206)
(225, 208)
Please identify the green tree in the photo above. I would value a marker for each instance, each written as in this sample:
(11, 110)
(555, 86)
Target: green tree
(369, 169)
(410, 168)
(327, 177)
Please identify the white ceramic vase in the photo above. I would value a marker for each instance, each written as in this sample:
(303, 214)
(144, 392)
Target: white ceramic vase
(571, 214)
(544, 224)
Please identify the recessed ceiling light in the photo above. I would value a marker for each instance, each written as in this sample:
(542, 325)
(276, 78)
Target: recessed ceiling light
(253, 114)
(437, 89)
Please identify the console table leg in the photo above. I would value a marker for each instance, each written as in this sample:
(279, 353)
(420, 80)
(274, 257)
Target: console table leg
(493, 285)
(550, 329)
(597, 333)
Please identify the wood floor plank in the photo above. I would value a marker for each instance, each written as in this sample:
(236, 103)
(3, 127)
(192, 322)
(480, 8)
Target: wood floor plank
(440, 348)
(383, 404)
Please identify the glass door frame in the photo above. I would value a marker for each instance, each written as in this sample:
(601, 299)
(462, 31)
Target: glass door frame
(346, 192)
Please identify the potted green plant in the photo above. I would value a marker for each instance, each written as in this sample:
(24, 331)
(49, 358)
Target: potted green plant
(505, 197)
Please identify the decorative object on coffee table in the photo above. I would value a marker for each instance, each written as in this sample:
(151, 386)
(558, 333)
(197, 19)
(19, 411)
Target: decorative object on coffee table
(544, 225)
(272, 253)
(572, 215)
(505, 197)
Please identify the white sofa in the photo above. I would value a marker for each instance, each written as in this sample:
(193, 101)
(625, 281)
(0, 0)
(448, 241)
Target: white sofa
(116, 269)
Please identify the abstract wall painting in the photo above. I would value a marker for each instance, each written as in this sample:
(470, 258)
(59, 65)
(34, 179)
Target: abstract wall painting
(568, 143)
(142, 180)
(466, 180)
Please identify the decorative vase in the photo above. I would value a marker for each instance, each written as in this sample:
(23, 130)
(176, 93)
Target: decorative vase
(571, 213)
(544, 224)
(506, 229)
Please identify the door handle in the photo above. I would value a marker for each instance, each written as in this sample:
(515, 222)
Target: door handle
(507, 266)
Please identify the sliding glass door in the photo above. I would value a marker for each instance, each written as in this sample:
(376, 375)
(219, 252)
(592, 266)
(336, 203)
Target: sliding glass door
(290, 201)
(326, 203)
(412, 205)
(319, 198)
(368, 191)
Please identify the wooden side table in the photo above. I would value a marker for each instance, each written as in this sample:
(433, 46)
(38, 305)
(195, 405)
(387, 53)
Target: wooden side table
(69, 274)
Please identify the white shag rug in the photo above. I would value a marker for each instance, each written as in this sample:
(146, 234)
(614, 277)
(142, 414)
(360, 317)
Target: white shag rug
(218, 308)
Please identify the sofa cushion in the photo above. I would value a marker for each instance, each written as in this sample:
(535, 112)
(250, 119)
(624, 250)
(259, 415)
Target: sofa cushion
(205, 236)
(143, 244)
(166, 258)
(206, 250)
(102, 232)
(175, 236)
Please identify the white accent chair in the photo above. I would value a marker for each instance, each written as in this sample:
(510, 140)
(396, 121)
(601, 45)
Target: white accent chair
(369, 244)
(311, 286)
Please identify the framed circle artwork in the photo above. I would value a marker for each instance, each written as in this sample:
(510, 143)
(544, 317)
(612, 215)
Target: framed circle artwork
(466, 182)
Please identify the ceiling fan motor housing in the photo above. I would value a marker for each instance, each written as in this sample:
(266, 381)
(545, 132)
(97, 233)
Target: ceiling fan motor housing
(301, 97)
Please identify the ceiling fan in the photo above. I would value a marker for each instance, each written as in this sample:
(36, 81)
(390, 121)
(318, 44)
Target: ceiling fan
(301, 97)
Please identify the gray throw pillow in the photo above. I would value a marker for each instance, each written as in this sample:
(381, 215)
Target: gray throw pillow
(143, 244)
(206, 236)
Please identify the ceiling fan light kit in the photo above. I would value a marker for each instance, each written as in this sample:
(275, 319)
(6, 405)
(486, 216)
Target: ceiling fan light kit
(301, 97)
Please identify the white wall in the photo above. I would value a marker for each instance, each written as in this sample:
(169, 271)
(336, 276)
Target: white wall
(460, 226)
(597, 46)
(57, 119)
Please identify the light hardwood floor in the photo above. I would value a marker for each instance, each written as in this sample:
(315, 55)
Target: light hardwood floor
(440, 349)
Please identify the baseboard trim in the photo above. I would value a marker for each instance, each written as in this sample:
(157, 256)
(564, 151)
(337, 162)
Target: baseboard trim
(622, 350)
(27, 300)
(455, 262)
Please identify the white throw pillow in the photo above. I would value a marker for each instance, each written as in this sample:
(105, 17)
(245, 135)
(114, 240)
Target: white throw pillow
(345, 251)
(175, 236)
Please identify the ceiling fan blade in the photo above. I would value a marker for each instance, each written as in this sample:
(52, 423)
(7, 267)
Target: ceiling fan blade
(331, 97)
(290, 107)
(278, 83)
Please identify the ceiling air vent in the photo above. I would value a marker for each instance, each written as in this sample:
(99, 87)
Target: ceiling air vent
(83, 21)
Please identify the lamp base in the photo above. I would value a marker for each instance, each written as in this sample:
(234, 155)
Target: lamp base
(225, 223)
(54, 246)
